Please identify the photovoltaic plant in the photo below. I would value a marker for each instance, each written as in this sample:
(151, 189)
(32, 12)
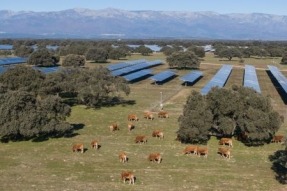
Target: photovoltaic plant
(48, 70)
(281, 79)
(191, 77)
(6, 47)
(12, 60)
(250, 78)
(162, 76)
(218, 80)
(137, 67)
(137, 75)
(124, 64)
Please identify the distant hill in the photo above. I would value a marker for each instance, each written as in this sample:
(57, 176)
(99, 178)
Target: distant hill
(115, 23)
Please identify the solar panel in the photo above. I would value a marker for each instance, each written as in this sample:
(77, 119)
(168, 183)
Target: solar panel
(12, 60)
(281, 79)
(137, 75)
(191, 77)
(250, 78)
(136, 67)
(124, 64)
(163, 76)
(48, 70)
(6, 47)
(218, 80)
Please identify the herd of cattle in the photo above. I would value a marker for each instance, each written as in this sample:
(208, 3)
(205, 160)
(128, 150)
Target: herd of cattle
(224, 150)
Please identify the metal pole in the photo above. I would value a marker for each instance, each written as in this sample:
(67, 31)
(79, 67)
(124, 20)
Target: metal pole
(161, 105)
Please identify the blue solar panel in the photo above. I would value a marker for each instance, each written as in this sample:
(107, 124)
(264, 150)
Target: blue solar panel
(137, 75)
(191, 77)
(250, 78)
(124, 64)
(136, 67)
(6, 47)
(12, 60)
(218, 80)
(48, 70)
(281, 79)
(163, 76)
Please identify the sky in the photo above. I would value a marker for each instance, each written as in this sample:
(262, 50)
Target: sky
(278, 7)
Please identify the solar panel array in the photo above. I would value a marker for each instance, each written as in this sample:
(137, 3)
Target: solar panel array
(124, 64)
(48, 70)
(218, 80)
(191, 77)
(281, 79)
(250, 78)
(6, 47)
(136, 67)
(137, 75)
(12, 60)
(160, 77)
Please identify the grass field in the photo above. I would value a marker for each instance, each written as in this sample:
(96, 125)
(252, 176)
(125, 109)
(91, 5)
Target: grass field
(51, 165)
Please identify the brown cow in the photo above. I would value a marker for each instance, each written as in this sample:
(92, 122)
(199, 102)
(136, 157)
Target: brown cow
(158, 134)
(202, 151)
(114, 127)
(163, 114)
(224, 152)
(226, 141)
(141, 139)
(132, 117)
(190, 149)
(127, 175)
(277, 139)
(123, 157)
(148, 115)
(95, 144)
(155, 157)
(78, 147)
(131, 126)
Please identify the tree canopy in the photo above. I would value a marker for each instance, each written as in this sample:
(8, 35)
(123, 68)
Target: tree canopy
(284, 58)
(145, 51)
(240, 112)
(34, 105)
(74, 60)
(229, 53)
(97, 54)
(183, 60)
(42, 57)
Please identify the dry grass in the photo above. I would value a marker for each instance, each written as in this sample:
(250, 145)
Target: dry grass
(51, 165)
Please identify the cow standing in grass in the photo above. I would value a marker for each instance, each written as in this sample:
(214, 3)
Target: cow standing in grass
(95, 144)
(202, 151)
(226, 141)
(141, 139)
(127, 175)
(224, 152)
(155, 157)
(123, 157)
(190, 149)
(79, 147)
(114, 127)
(132, 117)
(148, 115)
(158, 134)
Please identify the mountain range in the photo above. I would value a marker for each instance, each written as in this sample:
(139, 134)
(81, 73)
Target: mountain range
(115, 23)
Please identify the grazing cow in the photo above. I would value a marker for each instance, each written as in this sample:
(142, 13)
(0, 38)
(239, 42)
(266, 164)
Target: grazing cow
(224, 152)
(114, 127)
(141, 139)
(155, 157)
(277, 139)
(123, 157)
(132, 117)
(163, 114)
(148, 115)
(226, 141)
(158, 134)
(78, 147)
(95, 144)
(131, 126)
(127, 175)
(190, 149)
(202, 151)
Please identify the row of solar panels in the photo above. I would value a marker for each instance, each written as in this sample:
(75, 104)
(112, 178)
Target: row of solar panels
(136, 67)
(281, 79)
(12, 60)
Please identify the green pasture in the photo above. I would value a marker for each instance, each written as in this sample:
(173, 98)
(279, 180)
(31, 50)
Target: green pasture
(51, 164)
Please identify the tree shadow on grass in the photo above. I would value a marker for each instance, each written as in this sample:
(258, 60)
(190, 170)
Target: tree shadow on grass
(279, 160)
(67, 134)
